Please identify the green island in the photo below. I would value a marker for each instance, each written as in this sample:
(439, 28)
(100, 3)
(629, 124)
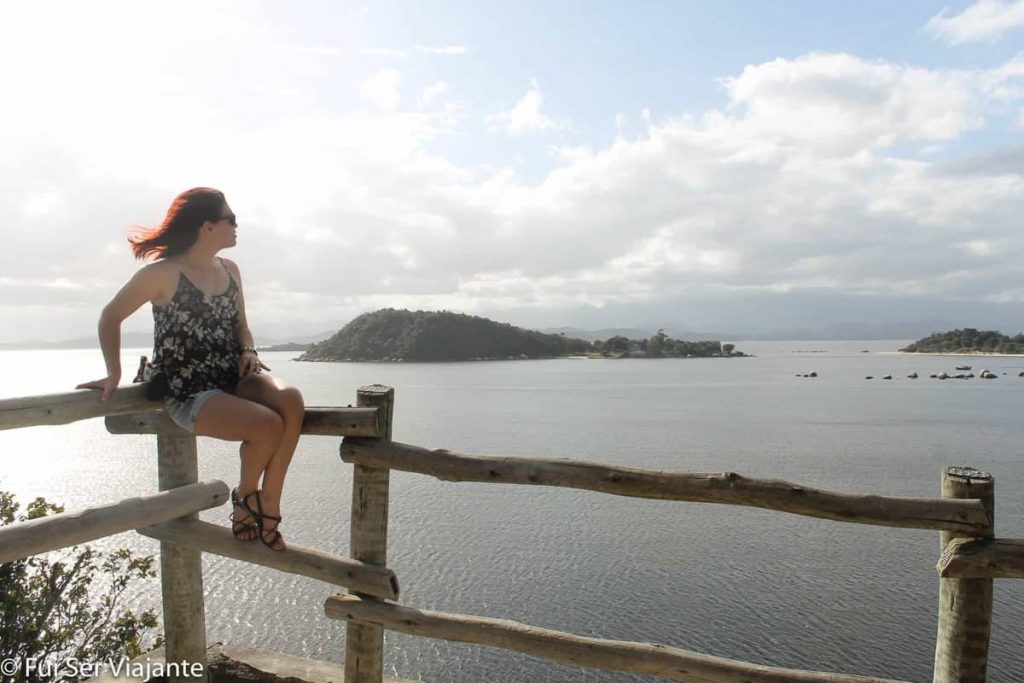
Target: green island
(968, 340)
(425, 336)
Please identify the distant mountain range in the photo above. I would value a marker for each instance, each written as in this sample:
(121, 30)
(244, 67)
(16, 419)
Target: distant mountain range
(843, 331)
(840, 332)
(128, 340)
(145, 340)
(640, 333)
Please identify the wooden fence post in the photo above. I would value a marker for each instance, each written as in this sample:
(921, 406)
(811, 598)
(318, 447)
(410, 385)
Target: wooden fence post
(965, 605)
(181, 568)
(364, 644)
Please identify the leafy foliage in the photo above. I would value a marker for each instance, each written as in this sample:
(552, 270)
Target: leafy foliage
(55, 611)
(661, 345)
(968, 340)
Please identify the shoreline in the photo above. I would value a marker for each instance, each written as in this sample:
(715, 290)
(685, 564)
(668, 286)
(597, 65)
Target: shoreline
(501, 360)
(981, 354)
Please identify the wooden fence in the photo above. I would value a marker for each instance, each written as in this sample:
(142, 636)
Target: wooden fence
(970, 557)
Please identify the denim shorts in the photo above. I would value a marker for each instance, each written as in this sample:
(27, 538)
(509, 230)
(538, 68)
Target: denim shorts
(184, 413)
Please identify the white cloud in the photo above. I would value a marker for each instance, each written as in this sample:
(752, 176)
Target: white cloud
(433, 91)
(842, 102)
(795, 183)
(979, 247)
(1005, 84)
(525, 115)
(984, 20)
(382, 89)
(385, 52)
(442, 49)
(319, 50)
(40, 203)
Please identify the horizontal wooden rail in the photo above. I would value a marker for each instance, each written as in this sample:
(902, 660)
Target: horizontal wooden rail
(317, 422)
(612, 655)
(983, 558)
(59, 409)
(717, 487)
(34, 536)
(340, 571)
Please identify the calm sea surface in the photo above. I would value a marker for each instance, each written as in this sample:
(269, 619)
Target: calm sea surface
(743, 583)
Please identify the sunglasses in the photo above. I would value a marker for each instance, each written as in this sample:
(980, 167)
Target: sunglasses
(230, 218)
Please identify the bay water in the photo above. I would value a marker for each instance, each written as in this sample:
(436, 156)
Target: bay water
(748, 584)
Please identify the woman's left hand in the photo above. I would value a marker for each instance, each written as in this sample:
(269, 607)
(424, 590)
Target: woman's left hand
(250, 363)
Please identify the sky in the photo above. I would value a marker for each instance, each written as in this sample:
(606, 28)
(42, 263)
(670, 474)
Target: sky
(744, 167)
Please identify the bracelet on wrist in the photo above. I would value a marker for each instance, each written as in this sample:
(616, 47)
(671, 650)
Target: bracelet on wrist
(250, 349)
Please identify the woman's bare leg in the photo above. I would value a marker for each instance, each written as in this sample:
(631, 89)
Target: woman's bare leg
(258, 427)
(286, 401)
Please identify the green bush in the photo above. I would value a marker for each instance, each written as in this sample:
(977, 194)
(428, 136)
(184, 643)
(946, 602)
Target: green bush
(52, 612)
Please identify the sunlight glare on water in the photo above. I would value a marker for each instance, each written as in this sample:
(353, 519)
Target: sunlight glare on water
(735, 582)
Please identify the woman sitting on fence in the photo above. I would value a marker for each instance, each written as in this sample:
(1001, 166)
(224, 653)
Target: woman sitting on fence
(204, 365)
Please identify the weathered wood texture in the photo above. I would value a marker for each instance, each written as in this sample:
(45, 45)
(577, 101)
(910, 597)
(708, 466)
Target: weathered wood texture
(35, 536)
(717, 487)
(965, 605)
(317, 422)
(368, 542)
(340, 571)
(612, 655)
(181, 568)
(59, 409)
(973, 558)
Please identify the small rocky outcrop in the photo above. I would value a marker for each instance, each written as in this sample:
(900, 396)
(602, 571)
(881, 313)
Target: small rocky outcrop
(912, 375)
(987, 374)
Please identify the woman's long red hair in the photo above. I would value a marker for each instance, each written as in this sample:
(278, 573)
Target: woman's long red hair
(180, 228)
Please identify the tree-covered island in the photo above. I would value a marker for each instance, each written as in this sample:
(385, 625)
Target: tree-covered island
(424, 336)
(968, 340)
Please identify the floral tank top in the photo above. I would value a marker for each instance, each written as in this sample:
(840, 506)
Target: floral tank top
(194, 340)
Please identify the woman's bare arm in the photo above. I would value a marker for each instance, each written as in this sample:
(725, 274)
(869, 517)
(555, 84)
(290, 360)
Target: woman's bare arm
(147, 284)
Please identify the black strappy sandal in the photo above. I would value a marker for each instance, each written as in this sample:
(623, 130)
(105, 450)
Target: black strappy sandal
(242, 528)
(275, 535)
